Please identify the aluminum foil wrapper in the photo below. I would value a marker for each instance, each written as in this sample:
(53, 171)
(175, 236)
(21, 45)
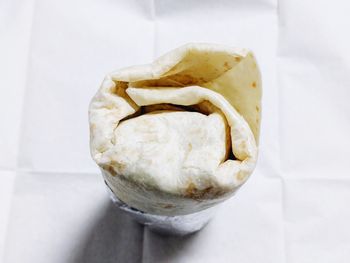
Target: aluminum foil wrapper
(172, 225)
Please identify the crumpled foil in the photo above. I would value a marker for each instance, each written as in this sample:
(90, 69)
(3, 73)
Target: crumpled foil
(171, 225)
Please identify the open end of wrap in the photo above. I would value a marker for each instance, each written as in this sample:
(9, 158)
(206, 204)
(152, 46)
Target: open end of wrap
(225, 80)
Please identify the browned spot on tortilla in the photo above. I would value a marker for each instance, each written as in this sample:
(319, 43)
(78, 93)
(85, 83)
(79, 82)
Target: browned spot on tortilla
(191, 189)
(109, 169)
(226, 65)
(254, 84)
(257, 120)
(120, 166)
(112, 166)
(196, 194)
(257, 108)
(167, 206)
(237, 59)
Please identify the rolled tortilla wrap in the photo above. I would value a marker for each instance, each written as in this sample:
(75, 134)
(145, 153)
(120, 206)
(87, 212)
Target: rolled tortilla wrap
(179, 135)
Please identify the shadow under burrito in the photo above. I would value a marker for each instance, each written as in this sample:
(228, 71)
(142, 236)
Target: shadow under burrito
(114, 237)
(166, 248)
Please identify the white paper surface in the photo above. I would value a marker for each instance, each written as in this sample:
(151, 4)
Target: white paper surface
(54, 55)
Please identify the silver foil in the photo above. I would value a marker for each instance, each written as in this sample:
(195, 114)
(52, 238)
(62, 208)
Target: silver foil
(173, 225)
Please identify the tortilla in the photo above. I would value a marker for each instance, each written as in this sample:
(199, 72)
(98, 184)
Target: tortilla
(179, 135)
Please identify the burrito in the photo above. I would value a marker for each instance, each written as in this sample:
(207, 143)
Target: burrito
(179, 135)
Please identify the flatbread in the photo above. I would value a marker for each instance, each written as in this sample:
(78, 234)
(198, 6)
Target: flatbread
(179, 135)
